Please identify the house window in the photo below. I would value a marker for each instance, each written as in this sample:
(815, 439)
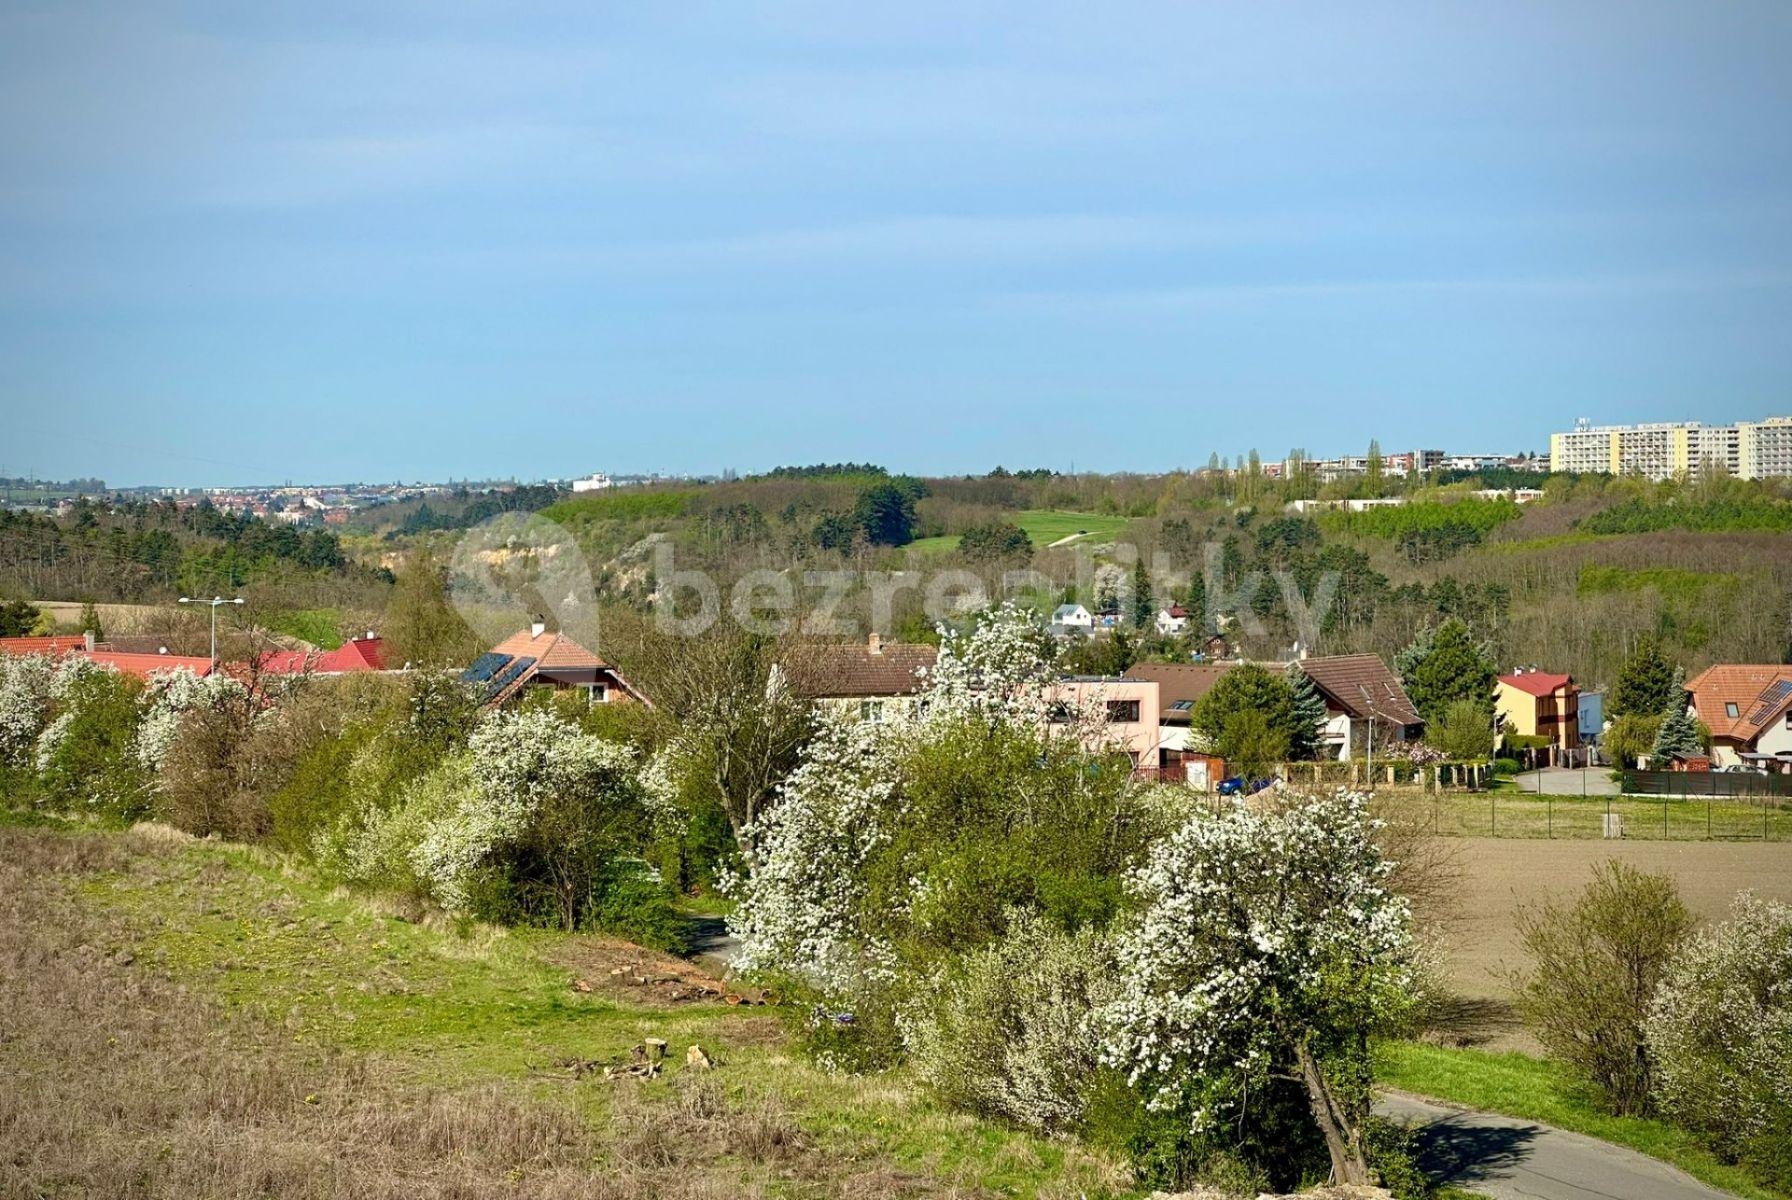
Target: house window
(1123, 711)
(1058, 713)
(871, 710)
(1730, 710)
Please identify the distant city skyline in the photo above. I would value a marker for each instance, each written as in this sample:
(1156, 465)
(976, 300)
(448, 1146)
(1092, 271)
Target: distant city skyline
(370, 242)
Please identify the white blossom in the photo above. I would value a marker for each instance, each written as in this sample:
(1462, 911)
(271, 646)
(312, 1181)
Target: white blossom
(1250, 922)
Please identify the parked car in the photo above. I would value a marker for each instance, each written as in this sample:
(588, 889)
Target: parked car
(1239, 786)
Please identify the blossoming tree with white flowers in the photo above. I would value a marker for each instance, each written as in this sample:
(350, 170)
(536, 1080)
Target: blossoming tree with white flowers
(1267, 946)
(549, 804)
(898, 844)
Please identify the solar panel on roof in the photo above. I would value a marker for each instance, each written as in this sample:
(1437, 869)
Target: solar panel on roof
(508, 675)
(484, 667)
(1771, 700)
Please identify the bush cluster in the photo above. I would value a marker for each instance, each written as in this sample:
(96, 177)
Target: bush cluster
(1693, 1027)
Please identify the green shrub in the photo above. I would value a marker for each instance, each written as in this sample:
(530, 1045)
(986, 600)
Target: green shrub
(630, 900)
(87, 758)
(1596, 965)
(1010, 1034)
(1507, 766)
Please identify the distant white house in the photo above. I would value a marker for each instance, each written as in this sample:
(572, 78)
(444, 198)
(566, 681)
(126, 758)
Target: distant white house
(592, 483)
(1172, 621)
(1073, 616)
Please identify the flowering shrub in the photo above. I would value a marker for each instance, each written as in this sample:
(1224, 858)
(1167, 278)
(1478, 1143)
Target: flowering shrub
(1264, 942)
(900, 845)
(1720, 1031)
(1013, 1033)
(86, 756)
(547, 805)
(24, 704)
(172, 694)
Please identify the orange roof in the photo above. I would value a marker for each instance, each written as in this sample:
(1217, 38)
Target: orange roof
(1538, 683)
(549, 649)
(553, 651)
(41, 645)
(145, 665)
(1760, 692)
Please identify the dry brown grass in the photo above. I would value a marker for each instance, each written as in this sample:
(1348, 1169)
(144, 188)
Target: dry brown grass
(122, 1084)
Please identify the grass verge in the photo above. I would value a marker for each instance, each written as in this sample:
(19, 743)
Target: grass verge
(1535, 1089)
(232, 955)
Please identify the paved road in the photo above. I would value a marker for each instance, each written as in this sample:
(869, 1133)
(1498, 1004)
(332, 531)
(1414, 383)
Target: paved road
(711, 943)
(1509, 1159)
(1566, 781)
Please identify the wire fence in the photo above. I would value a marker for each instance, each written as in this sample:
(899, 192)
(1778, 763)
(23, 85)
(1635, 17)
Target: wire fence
(1514, 814)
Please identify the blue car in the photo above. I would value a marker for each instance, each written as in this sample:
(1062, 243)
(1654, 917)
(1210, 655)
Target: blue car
(1239, 786)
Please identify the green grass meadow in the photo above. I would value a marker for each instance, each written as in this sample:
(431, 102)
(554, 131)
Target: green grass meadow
(1044, 526)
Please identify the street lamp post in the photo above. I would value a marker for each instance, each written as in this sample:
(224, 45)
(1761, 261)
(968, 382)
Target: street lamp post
(213, 604)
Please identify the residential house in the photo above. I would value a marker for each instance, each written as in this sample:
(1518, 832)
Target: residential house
(1591, 717)
(1539, 704)
(1172, 621)
(1748, 708)
(1180, 686)
(1072, 618)
(145, 665)
(358, 654)
(872, 680)
(1363, 701)
(140, 665)
(1130, 708)
(54, 646)
(536, 657)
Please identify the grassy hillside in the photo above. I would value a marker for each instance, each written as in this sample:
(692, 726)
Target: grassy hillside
(1044, 526)
(329, 1049)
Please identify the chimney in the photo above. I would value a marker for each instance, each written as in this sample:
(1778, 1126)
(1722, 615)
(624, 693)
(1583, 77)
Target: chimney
(87, 640)
(369, 636)
(875, 643)
(537, 629)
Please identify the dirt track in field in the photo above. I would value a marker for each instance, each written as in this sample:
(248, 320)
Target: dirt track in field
(1500, 875)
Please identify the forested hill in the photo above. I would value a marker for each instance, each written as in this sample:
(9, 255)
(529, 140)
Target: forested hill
(130, 551)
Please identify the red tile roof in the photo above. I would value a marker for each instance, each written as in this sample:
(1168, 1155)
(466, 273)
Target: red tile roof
(1538, 683)
(42, 645)
(145, 665)
(1362, 686)
(1760, 692)
(356, 654)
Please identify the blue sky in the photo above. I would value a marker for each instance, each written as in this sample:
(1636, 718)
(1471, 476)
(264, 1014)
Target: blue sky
(353, 241)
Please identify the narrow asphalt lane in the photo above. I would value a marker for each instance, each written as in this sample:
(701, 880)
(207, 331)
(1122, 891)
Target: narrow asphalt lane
(1509, 1159)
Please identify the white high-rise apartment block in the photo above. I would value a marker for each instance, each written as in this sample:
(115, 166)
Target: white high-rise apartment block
(1747, 450)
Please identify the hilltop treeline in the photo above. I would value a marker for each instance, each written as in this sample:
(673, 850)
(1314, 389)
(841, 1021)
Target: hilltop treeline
(131, 551)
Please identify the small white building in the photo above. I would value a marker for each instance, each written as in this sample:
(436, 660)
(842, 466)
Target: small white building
(1172, 621)
(592, 483)
(1073, 616)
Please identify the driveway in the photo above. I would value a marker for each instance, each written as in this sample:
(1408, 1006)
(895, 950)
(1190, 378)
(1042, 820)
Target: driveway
(1568, 781)
(1509, 1159)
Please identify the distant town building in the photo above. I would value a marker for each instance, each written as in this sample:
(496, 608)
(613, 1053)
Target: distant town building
(1746, 450)
(592, 483)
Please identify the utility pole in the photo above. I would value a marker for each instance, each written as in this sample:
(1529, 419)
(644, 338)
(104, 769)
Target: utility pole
(214, 604)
